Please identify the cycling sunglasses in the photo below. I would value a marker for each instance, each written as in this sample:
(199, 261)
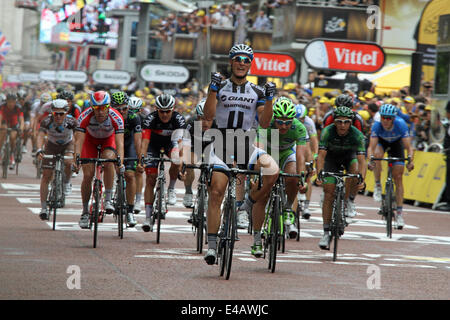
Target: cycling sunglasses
(245, 60)
(58, 113)
(102, 107)
(387, 118)
(281, 122)
(122, 109)
(342, 121)
(165, 111)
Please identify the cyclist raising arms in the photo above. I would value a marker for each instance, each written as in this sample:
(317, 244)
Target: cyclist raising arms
(234, 103)
(59, 129)
(292, 148)
(11, 116)
(390, 132)
(161, 129)
(341, 144)
(128, 108)
(98, 125)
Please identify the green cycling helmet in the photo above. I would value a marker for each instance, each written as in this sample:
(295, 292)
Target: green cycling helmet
(345, 112)
(284, 108)
(119, 98)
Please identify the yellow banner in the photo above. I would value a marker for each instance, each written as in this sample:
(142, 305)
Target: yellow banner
(424, 183)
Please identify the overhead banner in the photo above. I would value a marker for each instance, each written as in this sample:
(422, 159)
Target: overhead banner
(344, 56)
(164, 73)
(272, 65)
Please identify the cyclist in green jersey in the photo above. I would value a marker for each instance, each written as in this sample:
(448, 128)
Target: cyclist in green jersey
(291, 148)
(341, 144)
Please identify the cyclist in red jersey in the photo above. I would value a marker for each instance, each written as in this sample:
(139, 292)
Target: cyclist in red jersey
(343, 100)
(98, 125)
(11, 116)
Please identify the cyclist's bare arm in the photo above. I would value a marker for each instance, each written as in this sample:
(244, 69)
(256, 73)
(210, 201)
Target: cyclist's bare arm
(371, 148)
(209, 109)
(119, 146)
(265, 114)
(300, 158)
(408, 146)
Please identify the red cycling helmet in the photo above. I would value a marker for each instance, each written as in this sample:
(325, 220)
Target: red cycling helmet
(100, 98)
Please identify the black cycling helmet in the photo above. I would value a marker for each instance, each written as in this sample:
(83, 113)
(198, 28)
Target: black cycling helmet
(344, 100)
(66, 95)
(11, 96)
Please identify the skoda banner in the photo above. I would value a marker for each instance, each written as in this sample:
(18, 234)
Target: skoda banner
(111, 77)
(164, 73)
(344, 56)
(71, 76)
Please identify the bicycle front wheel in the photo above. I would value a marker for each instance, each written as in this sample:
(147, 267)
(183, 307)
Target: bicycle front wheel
(336, 223)
(5, 160)
(389, 209)
(274, 234)
(200, 218)
(159, 211)
(95, 211)
(231, 236)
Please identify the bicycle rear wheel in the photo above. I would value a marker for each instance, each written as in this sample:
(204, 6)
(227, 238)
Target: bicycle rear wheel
(389, 209)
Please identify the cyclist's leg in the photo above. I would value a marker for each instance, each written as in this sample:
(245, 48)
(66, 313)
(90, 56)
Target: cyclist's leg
(68, 152)
(291, 185)
(3, 128)
(89, 151)
(351, 187)
(13, 138)
(45, 181)
(189, 179)
(379, 153)
(270, 172)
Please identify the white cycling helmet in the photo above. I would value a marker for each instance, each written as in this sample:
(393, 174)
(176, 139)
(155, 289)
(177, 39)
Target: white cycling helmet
(199, 107)
(165, 102)
(45, 97)
(134, 104)
(241, 49)
(60, 104)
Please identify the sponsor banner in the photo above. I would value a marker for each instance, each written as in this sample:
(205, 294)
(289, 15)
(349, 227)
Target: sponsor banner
(344, 56)
(29, 77)
(111, 77)
(164, 73)
(272, 65)
(47, 75)
(71, 76)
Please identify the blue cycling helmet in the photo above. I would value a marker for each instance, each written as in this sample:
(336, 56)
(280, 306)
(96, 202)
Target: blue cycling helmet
(388, 110)
(301, 111)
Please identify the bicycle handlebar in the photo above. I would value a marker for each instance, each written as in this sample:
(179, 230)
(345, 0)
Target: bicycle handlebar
(390, 159)
(54, 156)
(236, 171)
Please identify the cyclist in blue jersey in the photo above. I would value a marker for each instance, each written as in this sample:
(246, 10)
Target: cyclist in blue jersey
(392, 133)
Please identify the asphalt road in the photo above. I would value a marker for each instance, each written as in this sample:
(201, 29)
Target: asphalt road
(39, 263)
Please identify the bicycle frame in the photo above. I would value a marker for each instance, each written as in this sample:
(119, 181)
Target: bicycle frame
(56, 197)
(97, 209)
(159, 200)
(338, 222)
(6, 152)
(201, 202)
(387, 204)
(228, 228)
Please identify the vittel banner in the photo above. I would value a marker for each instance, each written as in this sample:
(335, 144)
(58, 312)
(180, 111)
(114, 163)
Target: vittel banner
(272, 65)
(345, 56)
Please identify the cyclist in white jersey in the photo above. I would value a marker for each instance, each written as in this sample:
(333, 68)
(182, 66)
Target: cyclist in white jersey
(312, 151)
(234, 103)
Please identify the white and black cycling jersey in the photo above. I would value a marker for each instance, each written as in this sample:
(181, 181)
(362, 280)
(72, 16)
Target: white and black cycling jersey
(236, 105)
